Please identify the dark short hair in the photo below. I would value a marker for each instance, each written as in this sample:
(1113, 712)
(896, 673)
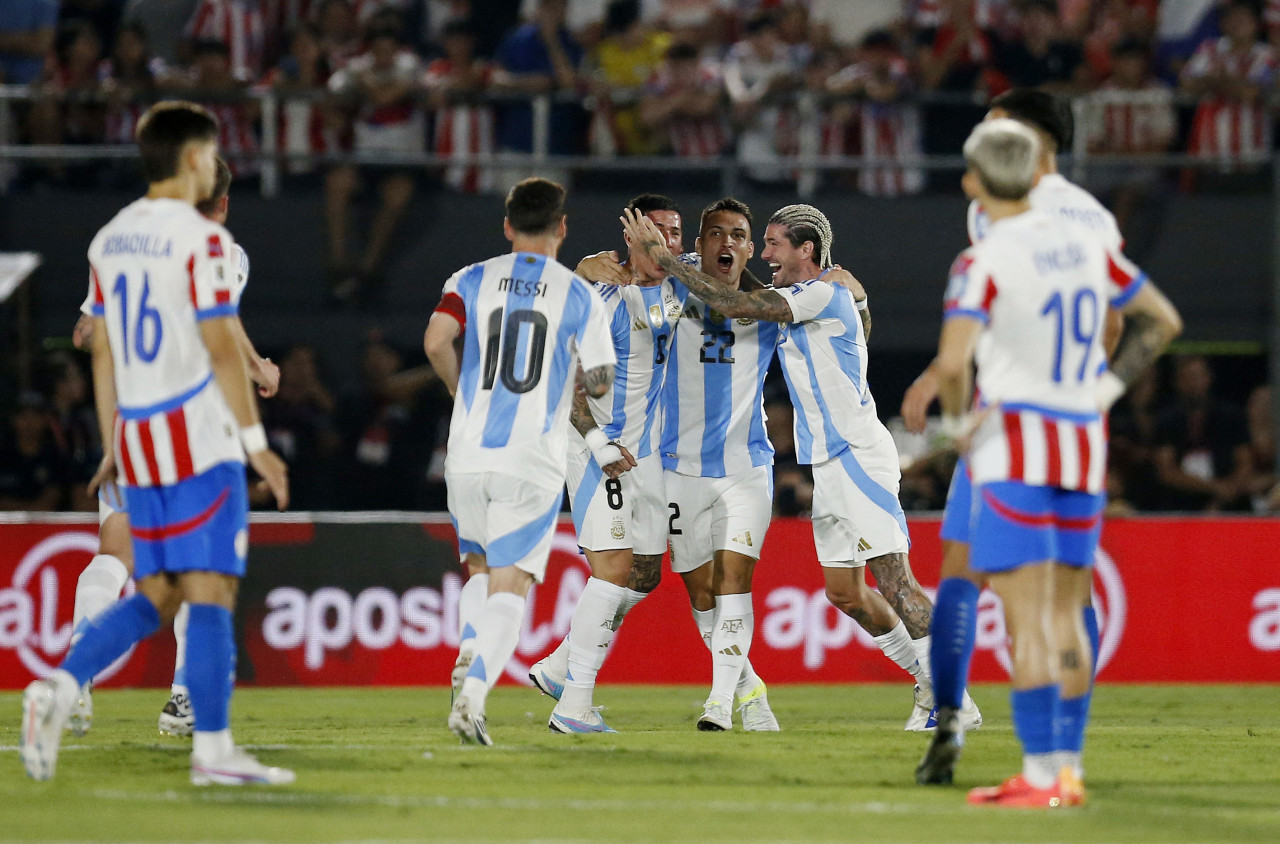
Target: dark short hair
(165, 129)
(221, 187)
(879, 39)
(460, 28)
(646, 202)
(620, 15)
(211, 47)
(1049, 6)
(759, 21)
(681, 52)
(735, 206)
(535, 205)
(1131, 47)
(1040, 110)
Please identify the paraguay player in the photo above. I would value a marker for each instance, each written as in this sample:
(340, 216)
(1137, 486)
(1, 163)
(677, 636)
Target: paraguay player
(178, 416)
(508, 438)
(955, 613)
(100, 583)
(858, 521)
(621, 521)
(1027, 304)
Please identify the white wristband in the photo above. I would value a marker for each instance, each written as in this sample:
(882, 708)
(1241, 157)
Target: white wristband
(253, 438)
(862, 303)
(602, 450)
(954, 427)
(1108, 390)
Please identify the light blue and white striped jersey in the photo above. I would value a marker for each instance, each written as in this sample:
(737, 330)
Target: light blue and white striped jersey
(527, 321)
(642, 321)
(824, 359)
(713, 398)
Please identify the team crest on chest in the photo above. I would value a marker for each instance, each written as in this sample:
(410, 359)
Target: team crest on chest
(656, 316)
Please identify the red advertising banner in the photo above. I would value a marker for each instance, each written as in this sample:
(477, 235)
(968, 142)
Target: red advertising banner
(364, 599)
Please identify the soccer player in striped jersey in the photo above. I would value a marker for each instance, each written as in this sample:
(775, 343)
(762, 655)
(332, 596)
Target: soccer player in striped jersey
(955, 617)
(858, 522)
(621, 521)
(1026, 304)
(508, 438)
(102, 580)
(178, 417)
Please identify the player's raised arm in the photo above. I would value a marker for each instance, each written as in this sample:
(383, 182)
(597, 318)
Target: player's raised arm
(764, 304)
(606, 268)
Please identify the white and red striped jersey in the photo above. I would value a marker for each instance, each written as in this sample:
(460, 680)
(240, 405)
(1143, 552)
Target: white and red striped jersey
(1061, 198)
(1041, 285)
(1230, 129)
(987, 14)
(281, 17)
(693, 137)
(236, 135)
(462, 129)
(1130, 120)
(393, 127)
(155, 271)
(888, 132)
(237, 23)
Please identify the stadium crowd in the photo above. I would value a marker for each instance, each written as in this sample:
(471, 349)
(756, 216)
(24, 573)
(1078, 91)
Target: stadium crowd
(757, 79)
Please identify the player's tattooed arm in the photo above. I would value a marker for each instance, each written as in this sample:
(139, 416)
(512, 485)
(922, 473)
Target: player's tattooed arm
(750, 304)
(1151, 323)
(596, 381)
(580, 412)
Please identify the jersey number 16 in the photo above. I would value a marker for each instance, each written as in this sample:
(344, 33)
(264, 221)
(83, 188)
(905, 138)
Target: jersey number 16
(146, 323)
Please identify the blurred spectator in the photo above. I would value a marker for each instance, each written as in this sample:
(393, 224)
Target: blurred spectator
(70, 112)
(684, 102)
(339, 35)
(374, 421)
(626, 58)
(989, 15)
(1131, 114)
(757, 71)
(164, 22)
(1261, 477)
(74, 426)
(1202, 445)
(954, 55)
(699, 22)
(1271, 21)
(239, 25)
(584, 18)
(32, 469)
(212, 83)
(1132, 425)
(843, 25)
(378, 90)
(1038, 57)
(300, 426)
(539, 57)
(463, 124)
(793, 483)
(129, 78)
(1232, 75)
(305, 127)
(102, 15)
(281, 19)
(889, 126)
(1114, 22)
(26, 36)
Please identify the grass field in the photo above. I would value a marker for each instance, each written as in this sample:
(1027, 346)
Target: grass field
(1165, 763)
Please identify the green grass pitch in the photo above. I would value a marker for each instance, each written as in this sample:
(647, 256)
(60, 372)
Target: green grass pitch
(1165, 763)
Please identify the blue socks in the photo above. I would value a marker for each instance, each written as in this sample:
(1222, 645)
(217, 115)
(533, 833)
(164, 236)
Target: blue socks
(1091, 627)
(108, 635)
(953, 630)
(1068, 727)
(211, 656)
(1034, 715)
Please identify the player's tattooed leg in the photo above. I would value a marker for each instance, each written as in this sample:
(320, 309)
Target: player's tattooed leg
(646, 572)
(900, 588)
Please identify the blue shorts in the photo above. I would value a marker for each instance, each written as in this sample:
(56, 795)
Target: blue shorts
(1015, 524)
(200, 524)
(955, 518)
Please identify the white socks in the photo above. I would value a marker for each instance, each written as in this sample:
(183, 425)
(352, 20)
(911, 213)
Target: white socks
(730, 643)
(497, 633)
(557, 662)
(921, 647)
(590, 633)
(470, 604)
(211, 746)
(706, 619)
(1040, 770)
(179, 686)
(98, 588)
(897, 645)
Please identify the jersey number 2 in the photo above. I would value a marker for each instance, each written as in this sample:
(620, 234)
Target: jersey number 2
(503, 347)
(146, 325)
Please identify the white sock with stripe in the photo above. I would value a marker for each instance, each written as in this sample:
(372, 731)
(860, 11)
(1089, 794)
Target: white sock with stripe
(470, 604)
(730, 644)
(897, 645)
(590, 633)
(497, 633)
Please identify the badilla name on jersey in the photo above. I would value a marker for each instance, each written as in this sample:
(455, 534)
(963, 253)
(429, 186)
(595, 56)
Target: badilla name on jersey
(1059, 260)
(146, 245)
(522, 287)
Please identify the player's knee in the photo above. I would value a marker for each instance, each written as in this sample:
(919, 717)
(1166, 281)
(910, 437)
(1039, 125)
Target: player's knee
(846, 598)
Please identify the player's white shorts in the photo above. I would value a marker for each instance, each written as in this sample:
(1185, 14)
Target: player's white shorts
(717, 514)
(110, 501)
(506, 518)
(856, 513)
(626, 512)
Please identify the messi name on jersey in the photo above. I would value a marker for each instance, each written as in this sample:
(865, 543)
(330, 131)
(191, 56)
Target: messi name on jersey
(522, 287)
(146, 245)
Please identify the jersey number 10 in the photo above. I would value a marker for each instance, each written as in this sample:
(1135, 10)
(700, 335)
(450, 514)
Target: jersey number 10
(503, 350)
(146, 316)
